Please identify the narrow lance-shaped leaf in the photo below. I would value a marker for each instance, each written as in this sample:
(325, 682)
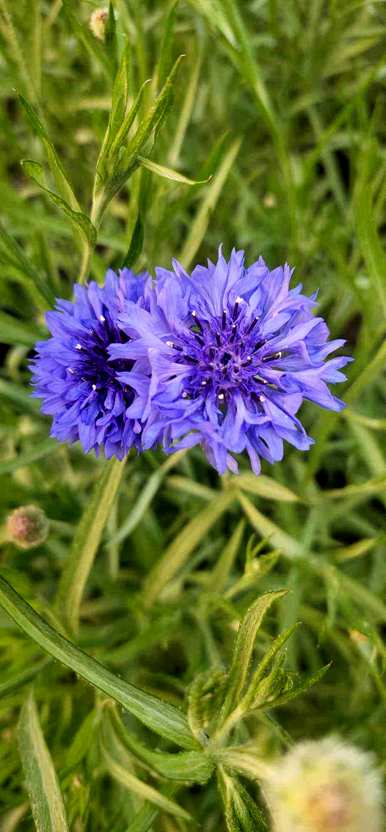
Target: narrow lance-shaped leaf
(243, 649)
(143, 790)
(241, 812)
(62, 182)
(111, 43)
(369, 240)
(116, 136)
(119, 102)
(82, 223)
(299, 687)
(220, 574)
(165, 52)
(168, 173)
(164, 719)
(212, 194)
(266, 661)
(136, 244)
(185, 766)
(178, 552)
(41, 780)
(153, 118)
(266, 487)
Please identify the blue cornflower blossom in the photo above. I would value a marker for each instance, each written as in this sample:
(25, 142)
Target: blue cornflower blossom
(232, 352)
(73, 372)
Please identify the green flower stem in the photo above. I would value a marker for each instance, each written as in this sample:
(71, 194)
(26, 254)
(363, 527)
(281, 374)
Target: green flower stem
(86, 542)
(98, 208)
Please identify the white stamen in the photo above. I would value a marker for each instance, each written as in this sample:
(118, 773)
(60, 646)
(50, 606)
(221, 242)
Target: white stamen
(78, 346)
(238, 299)
(93, 386)
(70, 370)
(221, 397)
(204, 383)
(194, 313)
(262, 398)
(185, 394)
(102, 318)
(169, 344)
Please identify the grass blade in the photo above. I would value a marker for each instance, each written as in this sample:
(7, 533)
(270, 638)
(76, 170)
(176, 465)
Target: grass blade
(164, 719)
(41, 780)
(183, 545)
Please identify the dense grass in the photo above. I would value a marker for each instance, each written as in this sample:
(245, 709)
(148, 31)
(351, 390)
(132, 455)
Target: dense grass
(282, 105)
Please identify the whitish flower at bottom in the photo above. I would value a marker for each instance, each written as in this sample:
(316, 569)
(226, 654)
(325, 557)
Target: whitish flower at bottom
(325, 786)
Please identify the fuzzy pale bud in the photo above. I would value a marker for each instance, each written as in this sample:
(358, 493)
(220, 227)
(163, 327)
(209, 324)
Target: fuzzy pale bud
(325, 786)
(98, 22)
(27, 527)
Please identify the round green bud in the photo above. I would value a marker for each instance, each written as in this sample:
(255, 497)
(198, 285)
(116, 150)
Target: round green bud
(27, 527)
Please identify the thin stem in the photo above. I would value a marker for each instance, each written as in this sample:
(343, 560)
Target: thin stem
(98, 207)
(86, 542)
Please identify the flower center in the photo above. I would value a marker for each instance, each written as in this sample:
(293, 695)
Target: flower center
(93, 364)
(227, 354)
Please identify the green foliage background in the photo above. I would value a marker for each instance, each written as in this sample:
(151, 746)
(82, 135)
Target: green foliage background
(279, 110)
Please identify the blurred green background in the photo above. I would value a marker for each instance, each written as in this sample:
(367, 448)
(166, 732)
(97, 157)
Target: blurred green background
(281, 108)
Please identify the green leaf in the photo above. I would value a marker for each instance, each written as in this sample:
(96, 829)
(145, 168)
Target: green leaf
(369, 240)
(260, 673)
(111, 42)
(268, 529)
(146, 816)
(185, 766)
(136, 244)
(82, 223)
(201, 221)
(41, 780)
(138, 787)
(82, 741)
(86, 541)
(168, 173)
(243, 650)
(241, 812)
(114, 143)
(162, 718)
(205, 696)
(302, 686)
(145, 497)
(266, 487)
(184, 544)
(165, 51)
(151, 121)
(220, 574)
(62, 182)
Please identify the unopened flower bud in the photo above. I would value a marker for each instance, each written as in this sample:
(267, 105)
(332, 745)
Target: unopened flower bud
(325, 786)
(98, 22)
(27, 527)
